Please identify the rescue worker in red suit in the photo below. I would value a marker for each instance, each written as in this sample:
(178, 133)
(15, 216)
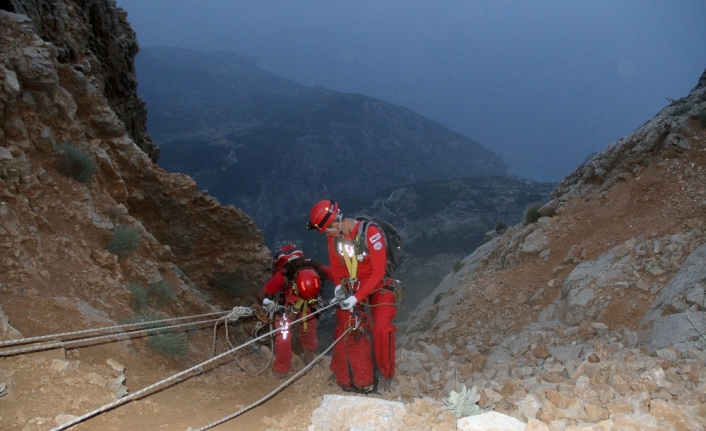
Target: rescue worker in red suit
(289, 266)
(325, 217)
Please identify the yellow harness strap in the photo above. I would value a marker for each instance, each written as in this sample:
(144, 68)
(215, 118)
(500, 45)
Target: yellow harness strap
(303, 305)
(351, 261)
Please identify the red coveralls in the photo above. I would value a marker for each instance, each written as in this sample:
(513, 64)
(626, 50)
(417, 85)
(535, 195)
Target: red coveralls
(370, 274)
(283, 340)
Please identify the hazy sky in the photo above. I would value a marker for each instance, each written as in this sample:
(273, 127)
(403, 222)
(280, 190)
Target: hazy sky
(542, 83)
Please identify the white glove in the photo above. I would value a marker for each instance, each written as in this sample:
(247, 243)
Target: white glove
(349, 303)
(339, 293)
(268, 303)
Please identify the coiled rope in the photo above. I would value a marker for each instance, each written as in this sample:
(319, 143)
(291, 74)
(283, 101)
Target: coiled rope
(233, 317)
(198, 367)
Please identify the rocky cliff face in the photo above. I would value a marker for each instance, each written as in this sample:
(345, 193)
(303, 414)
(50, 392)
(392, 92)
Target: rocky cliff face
(594, 316)
(95, 38)
(66, 77)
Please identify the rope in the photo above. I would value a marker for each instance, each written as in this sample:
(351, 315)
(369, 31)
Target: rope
(68, 334)
(132, 396)
(277, 389)
(66, 344)
(233, 317)
(258, 326)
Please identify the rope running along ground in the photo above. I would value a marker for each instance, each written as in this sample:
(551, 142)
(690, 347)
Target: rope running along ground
(197, 367)
(122, 335)
(277, 389)
(107, 328)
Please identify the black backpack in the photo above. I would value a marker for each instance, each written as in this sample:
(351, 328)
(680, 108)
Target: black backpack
(393, 242)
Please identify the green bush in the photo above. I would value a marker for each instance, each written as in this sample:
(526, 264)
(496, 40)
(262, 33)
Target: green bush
(532, 212)
(125, 240)
(161, 293)
(139, 295)
(169, 344)
(75, 163)
(681, 110)
(456, 266)
(437, 298)
(702, 119)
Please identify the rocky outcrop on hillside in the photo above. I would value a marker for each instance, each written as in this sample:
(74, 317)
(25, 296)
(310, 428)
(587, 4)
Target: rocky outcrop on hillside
(593, 317)
(53, 228)
(96, 39)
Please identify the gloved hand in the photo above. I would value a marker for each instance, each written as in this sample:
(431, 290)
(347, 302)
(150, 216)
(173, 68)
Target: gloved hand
(349, 303)
(339, 293)
(268, 303)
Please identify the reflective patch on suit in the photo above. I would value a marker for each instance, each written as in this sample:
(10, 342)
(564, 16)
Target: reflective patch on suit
(377, 246)
(375, 238)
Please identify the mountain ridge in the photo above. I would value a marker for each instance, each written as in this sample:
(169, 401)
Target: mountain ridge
(325, 143)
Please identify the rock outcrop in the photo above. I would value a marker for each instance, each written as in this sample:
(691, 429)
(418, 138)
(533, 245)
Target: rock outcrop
(55, 91)
(96, 39)
(593, 317)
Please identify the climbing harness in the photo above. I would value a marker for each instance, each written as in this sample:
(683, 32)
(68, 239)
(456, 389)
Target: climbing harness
(197, 367)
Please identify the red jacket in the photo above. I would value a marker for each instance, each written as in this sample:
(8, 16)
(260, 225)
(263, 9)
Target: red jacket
(371, 270)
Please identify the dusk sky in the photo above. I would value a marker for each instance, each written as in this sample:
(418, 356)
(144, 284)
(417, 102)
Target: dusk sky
(542, 83)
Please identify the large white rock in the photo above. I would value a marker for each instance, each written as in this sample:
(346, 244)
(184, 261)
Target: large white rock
(345, 413)
(490, 421)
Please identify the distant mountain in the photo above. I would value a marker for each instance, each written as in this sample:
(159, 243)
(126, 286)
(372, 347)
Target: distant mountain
(273, 147)
(441, 222)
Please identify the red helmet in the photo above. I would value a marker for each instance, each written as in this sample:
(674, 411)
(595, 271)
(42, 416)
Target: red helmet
(323, 213)
(307, 283)
(286, 253)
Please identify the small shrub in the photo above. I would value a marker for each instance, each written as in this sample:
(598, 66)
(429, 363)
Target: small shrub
(75, 163)
(702, 119)
(139, 295)
(464, 403)
(230, 283)
(532, 212)
(456, 266)
(169, 344)
(125, 240)
(161, 293)
(680, 110)
(437, 298)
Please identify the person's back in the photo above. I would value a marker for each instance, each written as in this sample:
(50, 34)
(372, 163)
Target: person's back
(293, 289)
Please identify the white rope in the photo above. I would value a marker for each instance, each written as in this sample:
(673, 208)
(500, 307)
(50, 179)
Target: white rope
(233, 317)
(70, 343)
(106, 328)
(134, 395)
(276, 390)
